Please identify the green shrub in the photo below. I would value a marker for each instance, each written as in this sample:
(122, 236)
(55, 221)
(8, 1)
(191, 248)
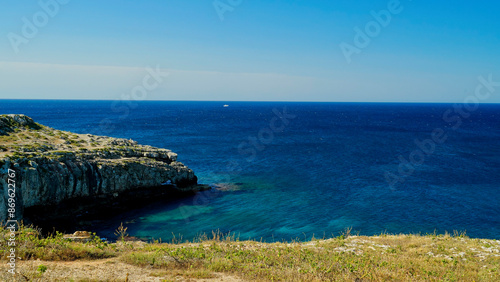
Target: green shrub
(41, 268)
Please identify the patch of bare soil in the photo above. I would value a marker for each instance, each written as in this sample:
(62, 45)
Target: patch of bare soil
(98, 270)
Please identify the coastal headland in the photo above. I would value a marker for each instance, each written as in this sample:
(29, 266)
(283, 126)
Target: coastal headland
(55, 176)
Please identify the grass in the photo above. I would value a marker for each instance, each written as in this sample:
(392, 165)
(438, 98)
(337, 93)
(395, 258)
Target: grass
(402, 257)
(344, 258)
(18, 142)
(52, 143)
(32, 245)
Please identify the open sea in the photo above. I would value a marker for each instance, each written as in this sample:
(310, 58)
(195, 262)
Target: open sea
(294, 170)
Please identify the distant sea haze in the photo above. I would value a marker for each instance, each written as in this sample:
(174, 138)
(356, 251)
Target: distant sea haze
(294, 170)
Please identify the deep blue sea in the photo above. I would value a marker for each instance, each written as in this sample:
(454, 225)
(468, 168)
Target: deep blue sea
(294, 170)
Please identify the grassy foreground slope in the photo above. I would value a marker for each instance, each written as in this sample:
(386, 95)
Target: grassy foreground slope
(345, 258)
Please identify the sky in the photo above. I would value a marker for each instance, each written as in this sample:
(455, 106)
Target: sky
(239, 50)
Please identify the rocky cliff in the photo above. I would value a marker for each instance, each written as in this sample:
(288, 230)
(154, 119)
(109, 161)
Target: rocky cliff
(53, 167)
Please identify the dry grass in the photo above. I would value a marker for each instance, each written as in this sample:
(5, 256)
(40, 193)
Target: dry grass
(345, 258)
(30, 140)
(376, 258)
(31, 245)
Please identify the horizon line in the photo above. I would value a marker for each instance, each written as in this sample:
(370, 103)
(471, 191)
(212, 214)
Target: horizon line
(247, 101)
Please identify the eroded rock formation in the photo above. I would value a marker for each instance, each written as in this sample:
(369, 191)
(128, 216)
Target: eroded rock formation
(53, 166)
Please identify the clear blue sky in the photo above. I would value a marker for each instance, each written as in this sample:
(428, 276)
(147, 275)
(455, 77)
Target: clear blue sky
(431, 51)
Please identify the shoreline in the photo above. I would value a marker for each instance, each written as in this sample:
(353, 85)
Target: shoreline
(88, 210)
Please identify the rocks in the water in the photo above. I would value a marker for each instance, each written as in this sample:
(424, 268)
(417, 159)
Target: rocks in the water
(227, 186)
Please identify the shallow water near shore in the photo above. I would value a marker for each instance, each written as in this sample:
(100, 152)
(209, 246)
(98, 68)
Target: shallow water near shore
(323, 172)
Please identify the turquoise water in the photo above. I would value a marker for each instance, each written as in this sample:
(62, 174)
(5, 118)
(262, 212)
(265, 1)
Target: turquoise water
(321, 172)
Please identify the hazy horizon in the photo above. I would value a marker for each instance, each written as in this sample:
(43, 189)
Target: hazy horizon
(245, 101)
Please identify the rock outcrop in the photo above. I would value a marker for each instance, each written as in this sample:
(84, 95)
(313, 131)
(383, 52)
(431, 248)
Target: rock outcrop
(52, 167)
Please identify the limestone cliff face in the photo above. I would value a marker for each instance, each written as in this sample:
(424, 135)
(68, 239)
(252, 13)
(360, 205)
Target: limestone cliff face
(54, 166)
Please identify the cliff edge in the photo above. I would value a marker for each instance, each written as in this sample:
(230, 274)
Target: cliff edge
(53, 167)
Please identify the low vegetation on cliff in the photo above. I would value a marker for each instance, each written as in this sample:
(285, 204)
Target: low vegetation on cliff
(344, 258)
(22, 138)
